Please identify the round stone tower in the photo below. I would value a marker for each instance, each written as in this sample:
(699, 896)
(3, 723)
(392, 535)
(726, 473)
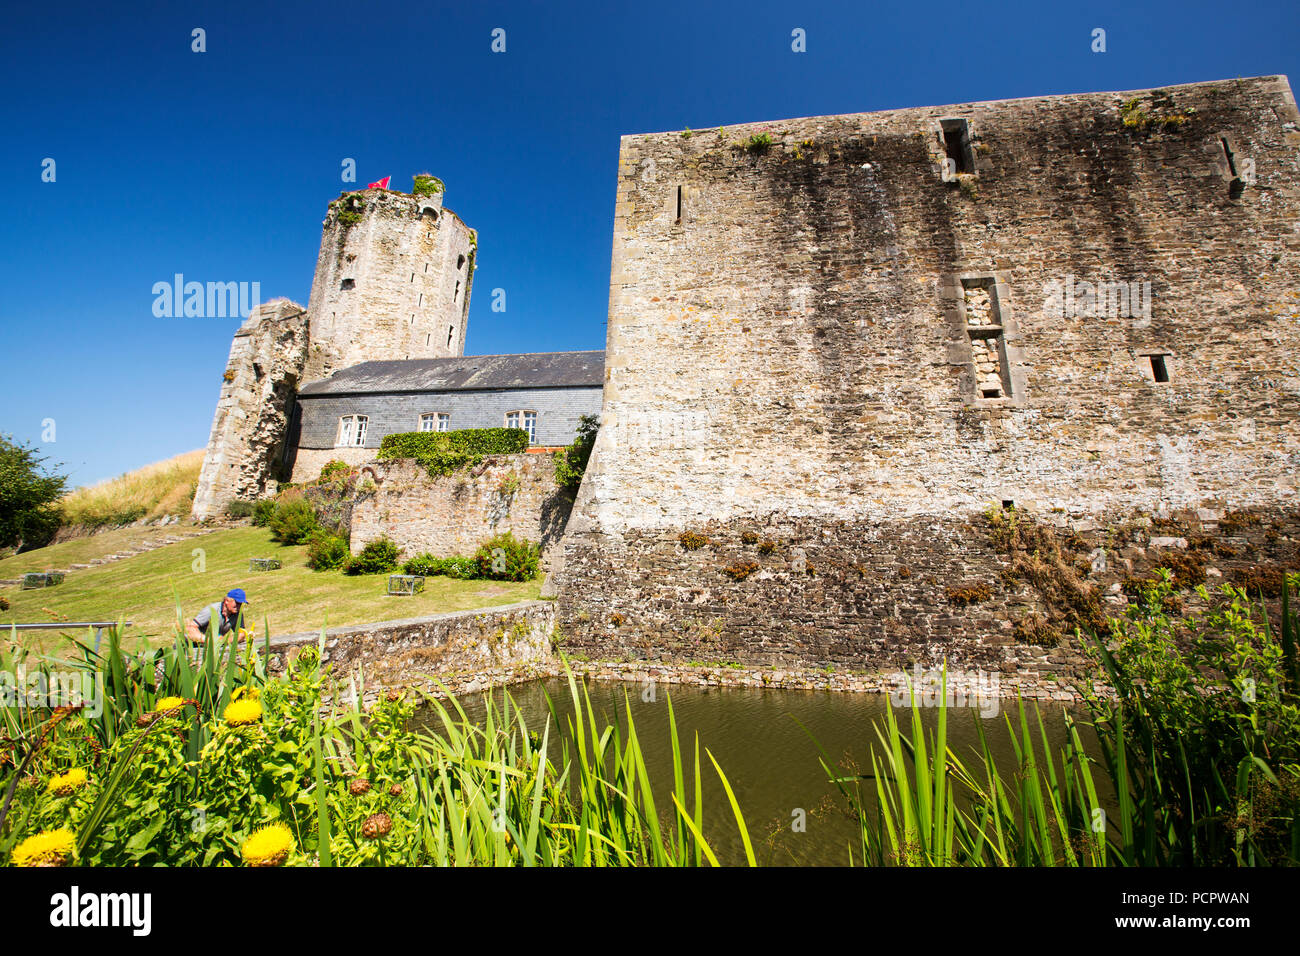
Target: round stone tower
(392, 280)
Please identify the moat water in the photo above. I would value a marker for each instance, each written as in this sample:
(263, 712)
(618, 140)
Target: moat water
(771, 760)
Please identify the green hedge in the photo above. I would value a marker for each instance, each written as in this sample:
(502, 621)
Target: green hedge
(441, 453)
(465, 569)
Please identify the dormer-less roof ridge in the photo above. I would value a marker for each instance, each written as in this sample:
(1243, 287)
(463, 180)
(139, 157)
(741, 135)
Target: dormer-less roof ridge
(466, 372)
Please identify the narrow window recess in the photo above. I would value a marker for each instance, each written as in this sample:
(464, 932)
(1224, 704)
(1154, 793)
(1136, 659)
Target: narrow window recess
(412, 318)
(1236, 185)
(460, 262)
(427, 337)
(426, 267)
(1008, 504)
(956, 144)
(1227, 154)
(988, 346)
(412, 277)
(348, 284)
(679, 205)
(450, 330)
(1159, 368)
(456, 295)
(419, 301)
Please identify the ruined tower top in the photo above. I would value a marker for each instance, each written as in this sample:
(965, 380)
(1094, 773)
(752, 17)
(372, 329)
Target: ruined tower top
(392, 279)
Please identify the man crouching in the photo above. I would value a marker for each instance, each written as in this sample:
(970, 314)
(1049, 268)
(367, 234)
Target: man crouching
(199, 628)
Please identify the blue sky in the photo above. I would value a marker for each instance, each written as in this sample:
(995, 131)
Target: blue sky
(219, 165)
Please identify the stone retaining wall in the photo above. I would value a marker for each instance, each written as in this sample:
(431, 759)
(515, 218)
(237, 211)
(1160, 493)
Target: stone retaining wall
(463, 647)
(454, 514)
(882, 596)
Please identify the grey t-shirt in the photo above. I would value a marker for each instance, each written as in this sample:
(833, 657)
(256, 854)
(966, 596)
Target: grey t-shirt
(204, 618)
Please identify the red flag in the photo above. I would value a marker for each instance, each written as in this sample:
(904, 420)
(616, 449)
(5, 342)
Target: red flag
(382, 184)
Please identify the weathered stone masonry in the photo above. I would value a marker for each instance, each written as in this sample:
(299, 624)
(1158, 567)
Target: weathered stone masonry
(394, 284)
(825, 345)
(454, 514)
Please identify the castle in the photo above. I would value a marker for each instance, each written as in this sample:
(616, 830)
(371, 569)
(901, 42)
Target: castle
(379, 349)
(851, 360)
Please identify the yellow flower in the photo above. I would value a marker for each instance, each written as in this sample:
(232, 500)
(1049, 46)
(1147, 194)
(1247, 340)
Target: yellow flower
(245, 693)
(168, 703)
(240, 712)
(269, 846)
(66, 784)
(49, 848)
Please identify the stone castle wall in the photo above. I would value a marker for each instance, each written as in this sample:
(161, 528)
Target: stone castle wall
(453, 514)
(249, 428)
(836, 343)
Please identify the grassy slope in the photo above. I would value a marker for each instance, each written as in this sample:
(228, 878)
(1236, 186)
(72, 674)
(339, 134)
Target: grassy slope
(163, 488)
(81, 550)
(293, 599)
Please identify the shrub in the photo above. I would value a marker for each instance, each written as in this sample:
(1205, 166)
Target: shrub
(378, 557)
(239, 508)
(464, 569)
(692, 540)
(963, 596)
(503, 557)
(738, 572)
(571, 462)
(327, 552)
(333, 469)
(442, 453)
(1203, 732)
(293, 522)
(426, 185)
(263, 511)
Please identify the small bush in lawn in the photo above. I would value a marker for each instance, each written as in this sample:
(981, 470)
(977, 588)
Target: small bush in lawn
(506, 558)
(293, 522)
(327, 552)
(239, 508)
(262, 512)
(378, 557)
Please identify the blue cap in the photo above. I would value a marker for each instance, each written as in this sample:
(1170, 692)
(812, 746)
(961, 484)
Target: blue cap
(238, 595)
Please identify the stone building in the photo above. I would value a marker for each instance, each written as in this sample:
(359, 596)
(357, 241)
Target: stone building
(379, 348)
(346, 416)
(844, 351)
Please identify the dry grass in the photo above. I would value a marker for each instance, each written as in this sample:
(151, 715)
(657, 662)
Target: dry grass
(163, 488)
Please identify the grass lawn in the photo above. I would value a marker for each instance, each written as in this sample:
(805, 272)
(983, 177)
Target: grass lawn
(81, 550)
(293, 599)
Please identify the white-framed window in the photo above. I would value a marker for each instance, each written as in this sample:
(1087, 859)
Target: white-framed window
(435, 422)
(352, 431)
(525, 420)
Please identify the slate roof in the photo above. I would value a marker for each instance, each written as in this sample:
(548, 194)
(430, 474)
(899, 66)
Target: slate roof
(465, 373)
